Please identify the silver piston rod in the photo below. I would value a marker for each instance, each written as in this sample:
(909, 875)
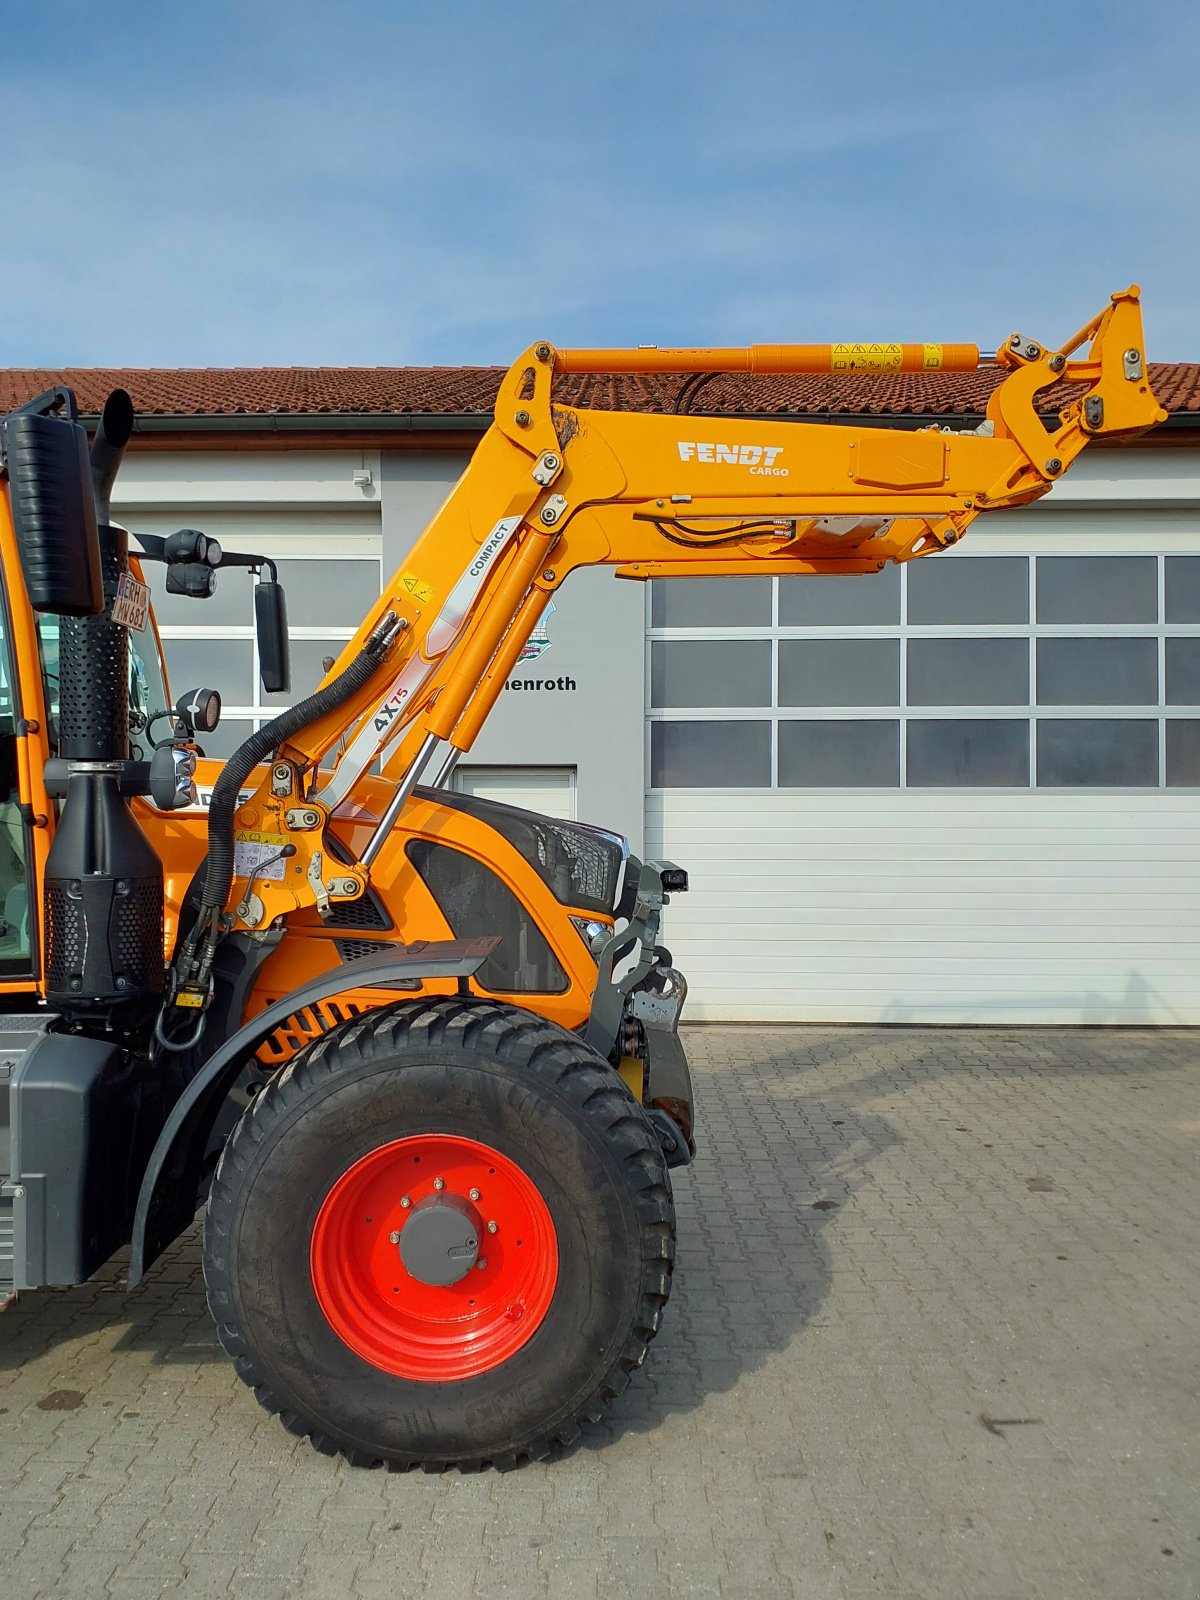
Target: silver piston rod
(399, 800)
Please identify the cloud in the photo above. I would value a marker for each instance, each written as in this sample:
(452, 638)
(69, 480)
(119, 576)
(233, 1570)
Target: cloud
(260, 183)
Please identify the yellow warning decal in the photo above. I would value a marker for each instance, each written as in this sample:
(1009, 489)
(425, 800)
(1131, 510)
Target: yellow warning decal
(417, 587)
(932, 356)
(191, 1000)
(866, 357)
(258, 855)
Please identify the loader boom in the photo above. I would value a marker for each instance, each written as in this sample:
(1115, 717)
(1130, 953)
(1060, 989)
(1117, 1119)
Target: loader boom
(552, 488)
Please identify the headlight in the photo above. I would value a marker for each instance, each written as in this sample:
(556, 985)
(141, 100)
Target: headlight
(593, 934)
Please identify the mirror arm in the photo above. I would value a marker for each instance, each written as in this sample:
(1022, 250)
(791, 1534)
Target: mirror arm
(232, 558)
(154, 549)
(152, 546)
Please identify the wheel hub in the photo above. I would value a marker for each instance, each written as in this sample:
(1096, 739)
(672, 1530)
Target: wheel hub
(439, 1244)
(396, 1258)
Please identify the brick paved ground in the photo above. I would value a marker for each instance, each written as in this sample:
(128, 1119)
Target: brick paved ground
(934, 1334)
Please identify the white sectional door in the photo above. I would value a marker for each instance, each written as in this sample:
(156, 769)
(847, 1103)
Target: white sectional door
(547, 790)
(968, 791)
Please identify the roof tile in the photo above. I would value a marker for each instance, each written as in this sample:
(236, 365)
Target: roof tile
(471, 391)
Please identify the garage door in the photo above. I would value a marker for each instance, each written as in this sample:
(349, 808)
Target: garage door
(548, 790)
(329, 566)
(961, 791)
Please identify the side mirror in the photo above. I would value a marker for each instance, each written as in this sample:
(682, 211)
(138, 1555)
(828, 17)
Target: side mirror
(270, 624)
(53, 512)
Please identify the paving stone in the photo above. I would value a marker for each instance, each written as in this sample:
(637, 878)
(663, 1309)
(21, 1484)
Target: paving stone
(878, 1374)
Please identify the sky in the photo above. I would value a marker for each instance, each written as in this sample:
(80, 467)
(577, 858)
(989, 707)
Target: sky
(392, 182)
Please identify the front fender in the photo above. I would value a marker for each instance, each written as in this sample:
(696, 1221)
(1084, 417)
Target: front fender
(171, 1182)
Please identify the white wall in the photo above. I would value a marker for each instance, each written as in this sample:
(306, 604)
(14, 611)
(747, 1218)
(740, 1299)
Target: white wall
(251, 479)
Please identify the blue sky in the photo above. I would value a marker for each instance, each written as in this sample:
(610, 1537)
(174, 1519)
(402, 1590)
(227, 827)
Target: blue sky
(247, 182)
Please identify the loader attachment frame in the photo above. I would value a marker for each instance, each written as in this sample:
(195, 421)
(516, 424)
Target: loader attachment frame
(552, 488)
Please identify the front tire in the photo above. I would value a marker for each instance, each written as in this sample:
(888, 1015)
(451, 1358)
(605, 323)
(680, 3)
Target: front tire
(454, 1115)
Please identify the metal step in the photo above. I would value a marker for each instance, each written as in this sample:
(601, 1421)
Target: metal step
(7, 1271)
(18, 1030)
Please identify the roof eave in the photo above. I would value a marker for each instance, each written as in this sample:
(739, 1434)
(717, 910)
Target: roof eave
(360, 422)
(310, 422)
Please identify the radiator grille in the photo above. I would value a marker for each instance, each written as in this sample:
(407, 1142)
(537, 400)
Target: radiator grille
(366, 912)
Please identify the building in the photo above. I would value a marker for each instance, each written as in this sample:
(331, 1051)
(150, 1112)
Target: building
(965, 791)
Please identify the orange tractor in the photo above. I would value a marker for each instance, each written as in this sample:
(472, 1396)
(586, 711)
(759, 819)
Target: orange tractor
(417, 1054)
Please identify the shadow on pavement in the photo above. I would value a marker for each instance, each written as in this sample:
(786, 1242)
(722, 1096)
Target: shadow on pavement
(785, 1143)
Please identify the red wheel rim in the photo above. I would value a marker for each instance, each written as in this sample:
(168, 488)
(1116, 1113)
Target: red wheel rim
(420, 1330)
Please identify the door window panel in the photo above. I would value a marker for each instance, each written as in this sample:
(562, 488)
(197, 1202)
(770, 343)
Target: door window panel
(1183, 672)
(1097, 672)
(231, 603)
(968, 672)
(839, 672)
(968, 591)
(850, 755)
(308, 668)
(972, 753)
(702, 672)
(212, 641)
(328, 593)
(1100, 752)
(1074, 589)
(710, 603)
(230, 733)
(841, 601)
(226, 665)
(1183, 753)
(1181, 582)
(710, 755)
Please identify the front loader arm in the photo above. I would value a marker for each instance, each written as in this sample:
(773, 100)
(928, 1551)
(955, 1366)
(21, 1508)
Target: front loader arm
(551, 488)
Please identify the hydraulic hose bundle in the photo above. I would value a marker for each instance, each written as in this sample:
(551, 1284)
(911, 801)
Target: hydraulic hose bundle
(193, 965)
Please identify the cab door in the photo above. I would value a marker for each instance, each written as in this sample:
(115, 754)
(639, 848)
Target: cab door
(17, 901)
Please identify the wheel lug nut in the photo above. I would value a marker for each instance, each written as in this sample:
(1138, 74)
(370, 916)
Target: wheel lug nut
(405, 1201)
(474, 1194)
(481, 1263)
(439, 1183)
(493, 1227)
(393, 1238)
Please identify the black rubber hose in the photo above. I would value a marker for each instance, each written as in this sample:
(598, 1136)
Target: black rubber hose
(219, 873)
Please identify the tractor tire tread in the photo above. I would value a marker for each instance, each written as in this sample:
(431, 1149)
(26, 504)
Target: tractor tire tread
(568, 1069)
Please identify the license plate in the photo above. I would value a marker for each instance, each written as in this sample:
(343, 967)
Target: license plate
(131, 607)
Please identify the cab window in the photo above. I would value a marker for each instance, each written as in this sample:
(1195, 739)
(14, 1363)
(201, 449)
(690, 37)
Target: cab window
(15, 943)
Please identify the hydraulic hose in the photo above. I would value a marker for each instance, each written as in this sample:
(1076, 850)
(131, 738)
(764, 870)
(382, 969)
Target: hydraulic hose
(219, 871)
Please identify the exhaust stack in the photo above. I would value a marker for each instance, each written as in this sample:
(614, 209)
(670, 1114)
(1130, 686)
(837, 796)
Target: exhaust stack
(103, 881)
(94, 651)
